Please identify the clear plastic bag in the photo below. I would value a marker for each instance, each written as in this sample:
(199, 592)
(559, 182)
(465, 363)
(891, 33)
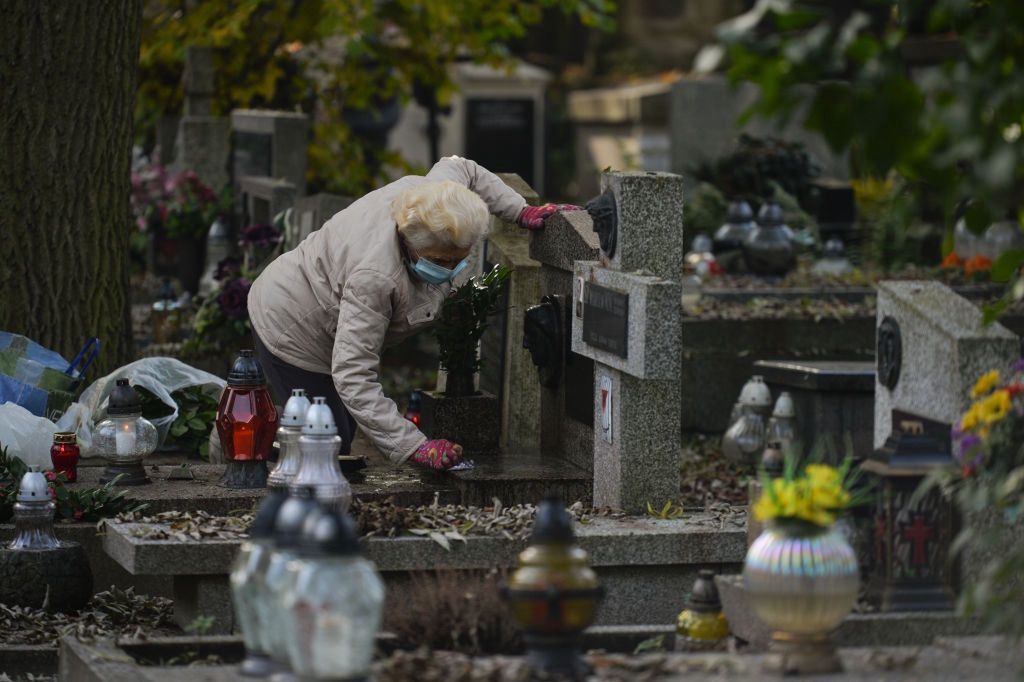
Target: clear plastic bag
(159, 376)
(29, 437)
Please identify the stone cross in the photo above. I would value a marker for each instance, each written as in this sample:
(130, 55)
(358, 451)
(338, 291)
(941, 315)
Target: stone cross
(628, 320)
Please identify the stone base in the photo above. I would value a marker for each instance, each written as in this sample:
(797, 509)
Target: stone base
(245, 474)
(57, 579)
(204, 596)
(802, 655)
(521, 478)
(130, 474)
(474, 422)
(556, 656)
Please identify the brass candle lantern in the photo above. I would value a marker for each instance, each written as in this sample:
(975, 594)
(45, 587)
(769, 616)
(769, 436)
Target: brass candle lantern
(553, 594)
(909, 565)
(702, 626)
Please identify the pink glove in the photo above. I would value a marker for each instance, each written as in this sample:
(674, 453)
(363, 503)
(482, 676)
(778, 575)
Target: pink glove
(533, 217)
(438, 454)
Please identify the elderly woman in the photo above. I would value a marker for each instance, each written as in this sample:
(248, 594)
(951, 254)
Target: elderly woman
(375, 273)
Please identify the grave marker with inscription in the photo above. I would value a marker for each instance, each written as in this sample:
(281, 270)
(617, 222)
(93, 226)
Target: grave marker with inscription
(629, 303)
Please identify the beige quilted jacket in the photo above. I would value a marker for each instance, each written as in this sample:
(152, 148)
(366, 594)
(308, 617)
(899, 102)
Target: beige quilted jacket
(333, 303)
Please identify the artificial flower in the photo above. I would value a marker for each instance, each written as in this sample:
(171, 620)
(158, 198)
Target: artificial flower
(995, 407)
(977, 264)
(952, 261)
(985, 384)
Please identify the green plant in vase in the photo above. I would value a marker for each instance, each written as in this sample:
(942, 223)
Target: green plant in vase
(464, 317)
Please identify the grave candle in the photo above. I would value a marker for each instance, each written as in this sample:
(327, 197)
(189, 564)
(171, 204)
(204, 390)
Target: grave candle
(125, 437)
(246, 423)
(65, 453)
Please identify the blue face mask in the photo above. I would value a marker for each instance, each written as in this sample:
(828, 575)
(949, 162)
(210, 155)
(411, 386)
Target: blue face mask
(433, 273)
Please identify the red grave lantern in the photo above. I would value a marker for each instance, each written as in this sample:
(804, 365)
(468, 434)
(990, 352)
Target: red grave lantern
(246, 423)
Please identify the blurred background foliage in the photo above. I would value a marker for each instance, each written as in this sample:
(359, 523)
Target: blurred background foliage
(334, 59)
(926, 94)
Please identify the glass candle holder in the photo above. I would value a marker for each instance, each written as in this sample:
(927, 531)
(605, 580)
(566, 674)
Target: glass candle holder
(64, 454)
(246, 423)
(125, 437)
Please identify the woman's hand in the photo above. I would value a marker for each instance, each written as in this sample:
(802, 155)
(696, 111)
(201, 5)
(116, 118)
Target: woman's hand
(438, 455)
(533, 217)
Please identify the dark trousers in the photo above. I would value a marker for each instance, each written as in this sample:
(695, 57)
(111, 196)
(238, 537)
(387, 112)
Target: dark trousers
(283, 377)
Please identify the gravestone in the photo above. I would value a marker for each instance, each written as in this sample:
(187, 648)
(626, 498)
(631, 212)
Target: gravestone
(566, 378)
(627, 319)
(263, 198)
(932, 346)
(834, 399)
(507, 370)
(204, 140)
(270, 144)
(309, 215)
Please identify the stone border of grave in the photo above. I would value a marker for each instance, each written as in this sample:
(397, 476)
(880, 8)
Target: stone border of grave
(646, 565)
(946, 658)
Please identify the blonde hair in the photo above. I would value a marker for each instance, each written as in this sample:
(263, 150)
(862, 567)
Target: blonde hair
(444, 214)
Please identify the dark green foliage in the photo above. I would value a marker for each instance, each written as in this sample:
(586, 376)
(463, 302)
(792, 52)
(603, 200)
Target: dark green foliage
(464, 317)
(750, 171)
(197, 410)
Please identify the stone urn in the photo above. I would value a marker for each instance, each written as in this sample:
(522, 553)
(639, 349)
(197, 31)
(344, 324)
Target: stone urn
(802, 580)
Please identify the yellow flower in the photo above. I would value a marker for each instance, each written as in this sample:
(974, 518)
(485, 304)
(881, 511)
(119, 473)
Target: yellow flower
(995, 407)
(822, 474)
(970, 419)
(985, 384)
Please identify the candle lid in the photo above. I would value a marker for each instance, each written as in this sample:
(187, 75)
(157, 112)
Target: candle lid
(770, 215)
(553, 524)
(124, 400)
(320, 419)
(293, 512)
(33, 488)
(266, 516)
(295, 409)
(246, 370)
(65, 437)
(704, 597)
(329, 533)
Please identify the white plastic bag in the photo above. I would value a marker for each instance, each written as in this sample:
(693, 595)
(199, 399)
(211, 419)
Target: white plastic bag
(159, 376)
(29, 437)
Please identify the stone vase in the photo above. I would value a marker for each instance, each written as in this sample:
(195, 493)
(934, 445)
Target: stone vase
(803, 581)
(472, 421)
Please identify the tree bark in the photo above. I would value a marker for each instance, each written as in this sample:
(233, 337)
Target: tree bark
(68, 77)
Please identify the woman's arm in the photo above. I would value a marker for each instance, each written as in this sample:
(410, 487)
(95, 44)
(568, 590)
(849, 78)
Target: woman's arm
(501, 199)
(363, 318)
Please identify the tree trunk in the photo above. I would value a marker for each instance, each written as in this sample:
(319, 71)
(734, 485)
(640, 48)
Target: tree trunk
(68, 76)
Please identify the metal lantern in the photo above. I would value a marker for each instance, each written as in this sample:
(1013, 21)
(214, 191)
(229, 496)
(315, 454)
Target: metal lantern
(333, 606)
(125, 437)
(554, 593)
(702, 626)
(319, 470)
(40, 571)
(248, 586)
(246, 423)
(292, 421)
(909, 566)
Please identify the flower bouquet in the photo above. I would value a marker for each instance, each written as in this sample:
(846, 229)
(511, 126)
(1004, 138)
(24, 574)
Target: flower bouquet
(800, 572)
(987, 486)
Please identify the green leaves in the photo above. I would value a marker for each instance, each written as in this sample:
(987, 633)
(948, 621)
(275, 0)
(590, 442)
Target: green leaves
(464, 317)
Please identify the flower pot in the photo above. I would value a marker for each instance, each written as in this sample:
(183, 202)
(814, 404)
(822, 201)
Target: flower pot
(472, 421)
(803, 581)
